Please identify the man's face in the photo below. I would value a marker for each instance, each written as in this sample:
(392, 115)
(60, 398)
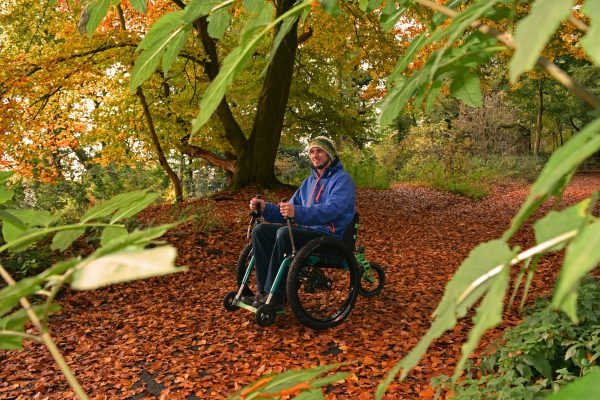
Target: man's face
(318, 157)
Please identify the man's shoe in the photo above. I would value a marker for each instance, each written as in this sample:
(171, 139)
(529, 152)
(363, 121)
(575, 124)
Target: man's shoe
(277, 302)
(259, 300)
(248, 299)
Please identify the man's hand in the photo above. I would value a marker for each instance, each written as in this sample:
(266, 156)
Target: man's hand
(286, 209)
(256, 201)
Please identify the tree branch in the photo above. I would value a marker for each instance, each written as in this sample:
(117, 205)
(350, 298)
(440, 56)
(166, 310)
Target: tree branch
(159, 151)
(216, 161)
(552, 69)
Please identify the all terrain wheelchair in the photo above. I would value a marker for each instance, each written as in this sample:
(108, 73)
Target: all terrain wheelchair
(324, 279)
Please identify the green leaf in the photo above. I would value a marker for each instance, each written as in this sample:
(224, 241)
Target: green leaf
(33, 218)
(397, 99)
(17, 223)
(16, 322)
(136, 239)
(557, 223)
(331, 7)
(97, 10)
(482, 259)
(540, 363)
(10, 295)
(160, 29)
(112, 232)
(148, 61)
(329, 379)
(108, 207)
(591, 40)
(289, 379)
(373, 5)
(363, 4)
(139, 5)
(254, 23)
(135, 207)
(489, 315)
(174, 48)
(63, 239)
(5, 195)
(466, 87)
(237, 59)
(390, 15)
(5, 176)
(557, 171)
(585, 388)
(439, 17)
(218, 23)
(313, 394)
(199, 8)
(12, 231)
(457, 27)
(253, 6)
(582, 256)
(434, 92)
(416, 45)
(5, 215)
(534, 31)
(124, 267)
(284, 29)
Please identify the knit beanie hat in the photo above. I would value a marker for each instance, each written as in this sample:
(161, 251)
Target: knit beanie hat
(325, 144)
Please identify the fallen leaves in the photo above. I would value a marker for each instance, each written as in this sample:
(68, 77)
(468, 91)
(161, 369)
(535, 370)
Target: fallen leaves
(169, 337)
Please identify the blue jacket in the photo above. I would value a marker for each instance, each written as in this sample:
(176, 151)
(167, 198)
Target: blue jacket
(324, 203)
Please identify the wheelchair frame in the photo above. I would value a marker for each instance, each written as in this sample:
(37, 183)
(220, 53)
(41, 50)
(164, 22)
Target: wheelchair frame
(358, 267)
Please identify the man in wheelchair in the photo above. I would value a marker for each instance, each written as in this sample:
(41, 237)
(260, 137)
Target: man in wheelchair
(323, 205)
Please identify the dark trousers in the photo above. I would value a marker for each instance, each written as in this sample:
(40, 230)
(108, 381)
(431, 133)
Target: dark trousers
(271, 243)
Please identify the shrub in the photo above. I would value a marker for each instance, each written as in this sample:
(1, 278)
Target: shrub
(369, 167)
(441, 158)
(539, 355)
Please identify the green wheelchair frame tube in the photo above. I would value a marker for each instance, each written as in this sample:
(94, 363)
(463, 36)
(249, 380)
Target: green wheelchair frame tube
(361, 260)
(245, 279)
(283, 269)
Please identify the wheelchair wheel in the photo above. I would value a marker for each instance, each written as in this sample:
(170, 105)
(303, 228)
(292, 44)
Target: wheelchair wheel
(322, 283)
(240, 271)
(371, 289)
(265, 315)
(228, 301)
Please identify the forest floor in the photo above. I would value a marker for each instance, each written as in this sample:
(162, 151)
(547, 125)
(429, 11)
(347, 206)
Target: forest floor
(169, 337)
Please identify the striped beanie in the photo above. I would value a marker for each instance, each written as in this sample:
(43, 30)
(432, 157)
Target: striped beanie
(325, 144)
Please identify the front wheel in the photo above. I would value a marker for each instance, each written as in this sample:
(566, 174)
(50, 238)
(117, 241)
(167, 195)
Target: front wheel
(265, 315)
(228, 301)
(372, 281)
(322, 283)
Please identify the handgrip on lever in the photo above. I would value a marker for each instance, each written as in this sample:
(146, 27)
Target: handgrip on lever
(254, 217)
(289, 226)
(258, 196)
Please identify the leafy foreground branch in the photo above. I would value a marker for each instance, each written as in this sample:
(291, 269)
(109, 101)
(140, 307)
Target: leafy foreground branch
(122, 256)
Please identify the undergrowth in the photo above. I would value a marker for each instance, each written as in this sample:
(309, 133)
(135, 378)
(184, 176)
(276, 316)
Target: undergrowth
(538, 356)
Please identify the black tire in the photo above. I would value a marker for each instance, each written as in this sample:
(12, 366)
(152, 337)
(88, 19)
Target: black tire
(228, 301)
(240, 271)
(372, 289)
(265, 315)
(322, 292)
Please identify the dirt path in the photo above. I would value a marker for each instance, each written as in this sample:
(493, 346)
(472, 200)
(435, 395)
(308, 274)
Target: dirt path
(169, 337)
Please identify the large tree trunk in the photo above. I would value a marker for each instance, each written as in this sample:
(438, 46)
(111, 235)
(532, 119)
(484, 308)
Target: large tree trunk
(256, 162)
(253, 158)
(540, 113)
